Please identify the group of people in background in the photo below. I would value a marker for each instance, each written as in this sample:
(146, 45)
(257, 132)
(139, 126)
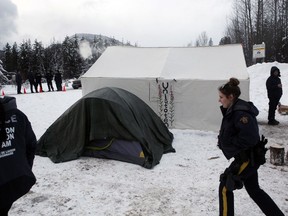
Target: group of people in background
(35, 81)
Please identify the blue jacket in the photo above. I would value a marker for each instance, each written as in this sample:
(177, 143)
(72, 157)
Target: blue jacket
(239, 129)
(16, 154)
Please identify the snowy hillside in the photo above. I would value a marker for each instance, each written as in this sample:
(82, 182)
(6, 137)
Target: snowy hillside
(97, 43)
(185, 183)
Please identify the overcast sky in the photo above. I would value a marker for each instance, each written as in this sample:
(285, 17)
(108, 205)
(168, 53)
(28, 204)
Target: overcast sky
(153, 23)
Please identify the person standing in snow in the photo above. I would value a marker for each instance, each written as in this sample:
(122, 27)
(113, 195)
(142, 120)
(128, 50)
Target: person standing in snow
(274, 91)
(38, 78)
(238, 136)
(49, 78)
(17, 151)
(32, 82)
(58, 80)
(19, 82)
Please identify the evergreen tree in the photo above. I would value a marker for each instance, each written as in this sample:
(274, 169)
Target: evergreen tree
(72, 60)
(11, 57)
(25, 57)
(63, 56)
(7, 61)
(15, 57)
(53, 57)
(210, 43)
(225, 40)
(37, 61)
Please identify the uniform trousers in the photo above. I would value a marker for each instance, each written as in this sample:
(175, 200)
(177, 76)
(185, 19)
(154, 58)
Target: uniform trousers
(249, 176)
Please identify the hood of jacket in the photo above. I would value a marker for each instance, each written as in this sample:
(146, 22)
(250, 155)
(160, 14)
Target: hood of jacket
(8, 103)
(274, 68)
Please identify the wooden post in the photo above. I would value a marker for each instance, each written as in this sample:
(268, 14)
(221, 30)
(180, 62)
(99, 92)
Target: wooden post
(277, 154)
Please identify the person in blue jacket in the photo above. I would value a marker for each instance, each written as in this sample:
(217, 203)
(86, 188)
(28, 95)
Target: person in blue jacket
(239, 134)
(17, 151)
(274, 91)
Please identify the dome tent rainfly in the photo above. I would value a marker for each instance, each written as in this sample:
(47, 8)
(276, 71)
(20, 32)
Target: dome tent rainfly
(178, 83)
(107, 123)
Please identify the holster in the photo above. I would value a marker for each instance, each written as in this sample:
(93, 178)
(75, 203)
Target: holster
(243, 156)
(246, 155)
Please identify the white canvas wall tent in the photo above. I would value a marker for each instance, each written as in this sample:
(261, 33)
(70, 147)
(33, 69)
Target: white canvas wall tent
(179, 84)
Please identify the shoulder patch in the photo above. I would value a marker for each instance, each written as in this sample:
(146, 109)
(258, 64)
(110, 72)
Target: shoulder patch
(244, 119)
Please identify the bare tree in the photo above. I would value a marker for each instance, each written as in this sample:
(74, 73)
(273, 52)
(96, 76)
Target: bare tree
(257, 21)
(202, 39)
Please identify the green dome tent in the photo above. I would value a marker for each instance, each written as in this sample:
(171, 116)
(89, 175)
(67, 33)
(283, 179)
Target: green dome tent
(108, 123)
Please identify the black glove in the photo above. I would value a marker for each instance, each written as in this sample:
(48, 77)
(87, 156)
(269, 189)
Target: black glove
(260, 150)
(233, 182)
(263, 140)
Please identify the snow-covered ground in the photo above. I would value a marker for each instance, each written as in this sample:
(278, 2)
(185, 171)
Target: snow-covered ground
(184, 183)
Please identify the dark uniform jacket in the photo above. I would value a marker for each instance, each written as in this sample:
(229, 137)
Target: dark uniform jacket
(18, 78)
(239, 129)
(16, 154)
(49, 77)
(58, 77)
(38, 77)
(31, 78)
(273, 91)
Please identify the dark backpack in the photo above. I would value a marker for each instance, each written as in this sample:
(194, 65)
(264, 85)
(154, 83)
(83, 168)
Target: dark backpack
(260, 150)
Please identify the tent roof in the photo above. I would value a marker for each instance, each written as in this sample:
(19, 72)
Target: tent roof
(203, 63)
(106, 113)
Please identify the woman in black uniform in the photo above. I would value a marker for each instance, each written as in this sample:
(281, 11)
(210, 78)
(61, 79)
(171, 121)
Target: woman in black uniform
(238, 135)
